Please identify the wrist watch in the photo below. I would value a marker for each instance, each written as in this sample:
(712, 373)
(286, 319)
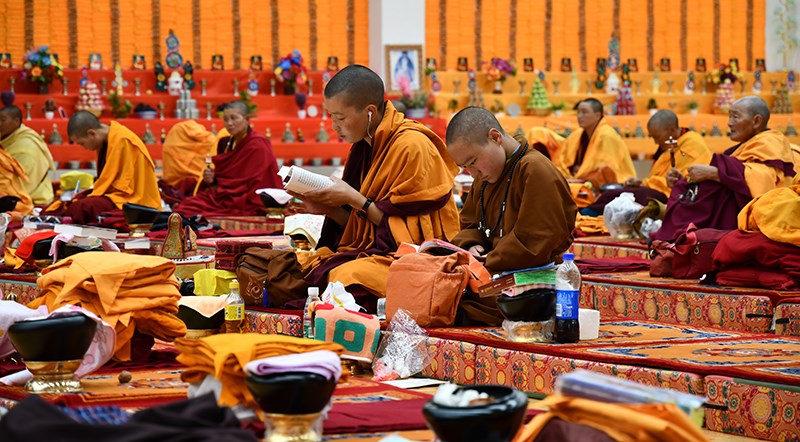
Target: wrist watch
(362, 212)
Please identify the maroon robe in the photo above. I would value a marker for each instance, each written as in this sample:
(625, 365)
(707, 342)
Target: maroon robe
(237, 175)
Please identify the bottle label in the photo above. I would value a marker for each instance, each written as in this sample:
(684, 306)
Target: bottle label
(567, 304)
(234, 312)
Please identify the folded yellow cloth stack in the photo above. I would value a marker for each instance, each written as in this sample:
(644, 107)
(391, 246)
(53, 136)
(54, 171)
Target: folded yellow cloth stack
(591, 225)
(224, 357)
(133, 293)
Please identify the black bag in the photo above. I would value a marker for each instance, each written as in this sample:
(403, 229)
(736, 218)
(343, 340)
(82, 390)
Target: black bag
(276, 270)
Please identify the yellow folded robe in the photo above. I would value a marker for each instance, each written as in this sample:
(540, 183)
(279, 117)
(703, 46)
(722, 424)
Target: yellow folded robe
(130, 292)
(224, 357)
(776, 214)
(622, 422)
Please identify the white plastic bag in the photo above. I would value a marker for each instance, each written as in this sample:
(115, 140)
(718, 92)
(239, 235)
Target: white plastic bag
(335, 294)
(619, 215)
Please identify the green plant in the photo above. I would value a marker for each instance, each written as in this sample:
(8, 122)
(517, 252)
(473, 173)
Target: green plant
(119, 108)
(693, 105)
(245, 98)
(452, 105)
(560, 106)
(651, 104)
(497, 107)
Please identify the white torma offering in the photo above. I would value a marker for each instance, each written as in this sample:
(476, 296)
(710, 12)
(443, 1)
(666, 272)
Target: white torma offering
(449, 395)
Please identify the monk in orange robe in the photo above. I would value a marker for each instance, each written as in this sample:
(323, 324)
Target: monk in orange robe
(186, 148)
(595, 152)
(712, 195)
(690, 149)
(126, 173)
(397, 187)
(546, 141)
(12, 186)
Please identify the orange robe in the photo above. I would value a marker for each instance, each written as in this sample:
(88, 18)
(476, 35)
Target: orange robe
(552, 141)
(12, 183)
(776, 214)
(606, 151)
(765, 157)
(186, 147)
(27, 147)
(692, 149)
(795, 158)
(130, 292)
(406, 169)
(128, 175)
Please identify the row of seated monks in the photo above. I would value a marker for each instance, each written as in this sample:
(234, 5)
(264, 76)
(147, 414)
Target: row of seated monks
(397, 184)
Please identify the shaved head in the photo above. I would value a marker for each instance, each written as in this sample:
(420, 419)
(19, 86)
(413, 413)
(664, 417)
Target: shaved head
(755, 106)
(12, 112)
(239, 106)
(594, 103)
(358, 85)
(80, 123)
(665, 119)
(471, 125)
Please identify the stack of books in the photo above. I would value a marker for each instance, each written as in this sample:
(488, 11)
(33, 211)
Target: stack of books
(520, 281)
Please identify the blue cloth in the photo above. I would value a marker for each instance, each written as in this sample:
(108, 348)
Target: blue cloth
(98, 415)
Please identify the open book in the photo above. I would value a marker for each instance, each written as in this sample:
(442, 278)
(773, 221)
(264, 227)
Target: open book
(300, 180)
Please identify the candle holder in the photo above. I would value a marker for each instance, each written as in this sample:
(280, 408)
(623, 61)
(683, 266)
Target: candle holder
(638, 84)
(743, 84)
(64, 83)
(136, 83)
(161, 108)
(456, 84)
(589, 88)
(209, 106)
(703, 85)
(235, 87)
(28, 107)
(773, 83)
(670, 83)
(522, 84)
(11, 82)
(672, 105)
(271, 87)
(555, 86)
(104, 86)
(203, 86)
(310, 87)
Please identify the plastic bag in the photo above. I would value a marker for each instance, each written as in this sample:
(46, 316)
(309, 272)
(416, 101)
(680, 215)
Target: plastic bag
(649, 226)
(4, 220)
(402, 352)
(619, 215)
(522, 331)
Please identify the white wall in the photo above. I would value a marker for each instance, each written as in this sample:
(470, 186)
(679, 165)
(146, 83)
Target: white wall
(775, 59)
(394, 22)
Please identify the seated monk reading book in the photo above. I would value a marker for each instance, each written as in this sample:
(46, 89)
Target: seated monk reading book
(519, 213)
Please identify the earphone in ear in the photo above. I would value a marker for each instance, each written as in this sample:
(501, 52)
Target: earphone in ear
(370, 114)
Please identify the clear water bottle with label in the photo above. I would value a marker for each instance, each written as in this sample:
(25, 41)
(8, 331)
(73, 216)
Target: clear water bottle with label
(234, 309)
(568, 292)
(308, 324)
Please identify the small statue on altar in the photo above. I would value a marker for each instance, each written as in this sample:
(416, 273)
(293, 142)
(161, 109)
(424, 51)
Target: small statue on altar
(55, 136)
(791, 81)
(256, 63)
(574, 84)
(175, 83)
(268, 134)
(252, 85)
(163, 135)
(217, 62)
(138, 62)
(322, 135)
(757, 84)
(300, 137)
(715, 131)
(148, 137)
(95, 62)
(119, 82)
(638, 132)
(655, 83)
(188, 75)
(288, 136)
(688, 87)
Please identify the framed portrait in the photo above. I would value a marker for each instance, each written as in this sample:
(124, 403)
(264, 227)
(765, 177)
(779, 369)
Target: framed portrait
(403, 61)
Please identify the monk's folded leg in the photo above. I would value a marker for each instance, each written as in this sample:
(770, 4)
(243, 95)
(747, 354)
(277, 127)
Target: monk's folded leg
(86, 210)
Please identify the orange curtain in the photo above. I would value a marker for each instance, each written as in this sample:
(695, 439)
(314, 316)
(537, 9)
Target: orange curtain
(50, 27)
(633, 39)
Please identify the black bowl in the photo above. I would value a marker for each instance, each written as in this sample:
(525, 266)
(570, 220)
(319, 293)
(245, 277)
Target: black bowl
(493, 422)
(138, 214)
(532, 306)
(196, 321)
(292, 392)
(63, 338)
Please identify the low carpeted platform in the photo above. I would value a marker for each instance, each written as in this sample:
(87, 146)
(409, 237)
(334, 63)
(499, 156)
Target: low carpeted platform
(608, 247)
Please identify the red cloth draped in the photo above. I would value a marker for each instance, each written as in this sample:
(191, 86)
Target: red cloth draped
(237, 174)
(753, 260)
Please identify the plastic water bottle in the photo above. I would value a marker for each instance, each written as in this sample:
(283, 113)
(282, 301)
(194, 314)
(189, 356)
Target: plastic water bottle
(568, 292)
(308, 324)
(234, 309)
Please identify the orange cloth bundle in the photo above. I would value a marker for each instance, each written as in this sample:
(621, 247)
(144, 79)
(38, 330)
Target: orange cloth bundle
(622, 422)
(224, 357)
(591, 225)
(130, 292)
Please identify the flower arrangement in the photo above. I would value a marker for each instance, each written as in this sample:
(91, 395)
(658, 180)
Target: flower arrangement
(120, 108)
(39, 65)
(722, 73)
(413, 99)
(499, 69)
(290, 71)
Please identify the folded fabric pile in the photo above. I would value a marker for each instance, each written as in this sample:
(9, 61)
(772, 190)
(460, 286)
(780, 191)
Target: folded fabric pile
(132, 293)
(590, 225)
(225, 356)
(322, 362)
